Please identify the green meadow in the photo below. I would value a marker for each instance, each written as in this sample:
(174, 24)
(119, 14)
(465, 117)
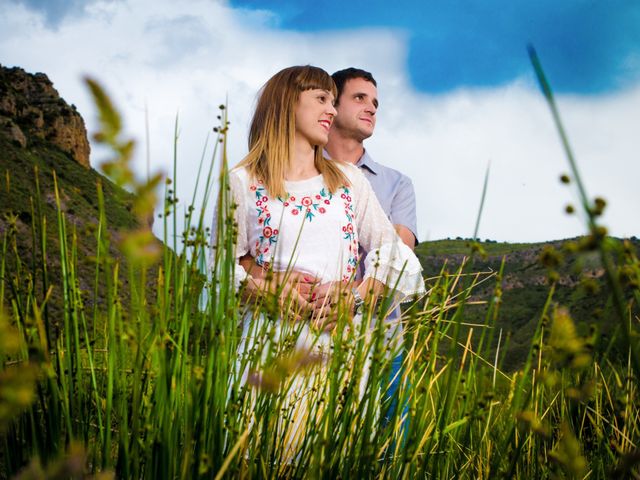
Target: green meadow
(120, 354)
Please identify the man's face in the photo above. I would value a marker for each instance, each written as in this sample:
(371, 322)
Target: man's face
(357, 108)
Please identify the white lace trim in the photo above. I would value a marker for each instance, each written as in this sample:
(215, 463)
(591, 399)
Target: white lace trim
(395, 265)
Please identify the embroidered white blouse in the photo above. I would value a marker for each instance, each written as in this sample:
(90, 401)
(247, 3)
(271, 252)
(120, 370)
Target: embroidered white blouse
(314, 231)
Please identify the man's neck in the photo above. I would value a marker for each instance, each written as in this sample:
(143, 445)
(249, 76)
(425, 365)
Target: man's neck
(344, 149)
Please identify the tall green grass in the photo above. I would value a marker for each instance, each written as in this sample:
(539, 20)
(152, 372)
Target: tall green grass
(154, 387)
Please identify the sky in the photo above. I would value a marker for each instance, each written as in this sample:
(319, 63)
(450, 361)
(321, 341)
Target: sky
(457, 92)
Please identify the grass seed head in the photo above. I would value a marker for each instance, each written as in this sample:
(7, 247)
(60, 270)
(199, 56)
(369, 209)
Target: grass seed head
(529, 420)
(568, 349)
(550, 257)
(598, 206)
(568, 454)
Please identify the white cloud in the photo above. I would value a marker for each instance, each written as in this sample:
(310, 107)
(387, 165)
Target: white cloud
(186, 57)
(450, 140)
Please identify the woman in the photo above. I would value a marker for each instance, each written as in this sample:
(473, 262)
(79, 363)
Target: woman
(297, 210)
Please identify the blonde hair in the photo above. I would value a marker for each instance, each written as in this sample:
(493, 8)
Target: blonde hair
(272, 131)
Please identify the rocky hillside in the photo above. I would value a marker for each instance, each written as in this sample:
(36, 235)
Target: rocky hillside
(40, 134)
(30, 109)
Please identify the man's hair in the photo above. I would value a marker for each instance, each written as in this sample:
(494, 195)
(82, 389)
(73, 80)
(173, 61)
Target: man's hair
(273, 128)
(342, 76)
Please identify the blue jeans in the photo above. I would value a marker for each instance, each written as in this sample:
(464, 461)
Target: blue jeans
(393, 382)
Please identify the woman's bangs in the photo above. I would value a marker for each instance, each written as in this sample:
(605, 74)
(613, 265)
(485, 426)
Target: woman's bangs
(316, 78)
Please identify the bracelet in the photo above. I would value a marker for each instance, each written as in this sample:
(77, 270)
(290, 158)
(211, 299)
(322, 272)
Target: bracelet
(358, 302)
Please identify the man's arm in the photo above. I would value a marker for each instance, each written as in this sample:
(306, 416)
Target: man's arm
(250, 266)
(406, 236)
(403, 212)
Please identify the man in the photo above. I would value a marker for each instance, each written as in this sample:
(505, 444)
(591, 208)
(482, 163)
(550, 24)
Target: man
(357, 104)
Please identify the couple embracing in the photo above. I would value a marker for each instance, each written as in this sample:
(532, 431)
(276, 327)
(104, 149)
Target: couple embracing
(310, 228)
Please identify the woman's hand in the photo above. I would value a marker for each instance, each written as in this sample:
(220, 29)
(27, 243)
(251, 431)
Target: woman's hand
(327, 300)
(293, 304)
(327, 294)
(303, 282)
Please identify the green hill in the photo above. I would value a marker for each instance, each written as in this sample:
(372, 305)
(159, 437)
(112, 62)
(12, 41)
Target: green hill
(19, 206)
(525, 286)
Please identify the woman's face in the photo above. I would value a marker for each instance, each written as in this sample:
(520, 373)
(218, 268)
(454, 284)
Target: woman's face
(314, 115)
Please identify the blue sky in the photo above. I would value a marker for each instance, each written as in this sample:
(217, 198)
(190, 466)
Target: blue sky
(456, 91)
(587, 46)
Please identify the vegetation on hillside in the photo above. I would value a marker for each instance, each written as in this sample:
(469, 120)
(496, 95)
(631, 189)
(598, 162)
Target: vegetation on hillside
(29, 222)
(528, 271)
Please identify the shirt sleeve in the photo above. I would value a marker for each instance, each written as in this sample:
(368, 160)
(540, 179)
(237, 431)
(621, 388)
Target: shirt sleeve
(237, 203)
(403, 206)
(388, 260)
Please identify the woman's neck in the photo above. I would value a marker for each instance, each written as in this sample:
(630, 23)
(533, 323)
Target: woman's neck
(302, 164)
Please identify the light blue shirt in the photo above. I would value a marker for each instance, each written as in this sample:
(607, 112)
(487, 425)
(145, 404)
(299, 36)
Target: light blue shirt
(394, 191)
(397, 197)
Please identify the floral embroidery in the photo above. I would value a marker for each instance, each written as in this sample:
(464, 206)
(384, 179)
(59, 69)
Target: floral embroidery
(269, 235)
(310, 204)
(350, 235)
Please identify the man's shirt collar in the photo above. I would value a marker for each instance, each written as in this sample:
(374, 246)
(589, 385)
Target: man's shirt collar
(367, 162)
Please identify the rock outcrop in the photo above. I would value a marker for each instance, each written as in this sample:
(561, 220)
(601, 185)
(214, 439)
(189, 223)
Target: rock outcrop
(31, 108)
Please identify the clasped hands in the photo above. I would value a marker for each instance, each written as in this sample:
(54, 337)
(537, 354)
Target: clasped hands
(302, 296)
(305, 298)
(323, 302)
